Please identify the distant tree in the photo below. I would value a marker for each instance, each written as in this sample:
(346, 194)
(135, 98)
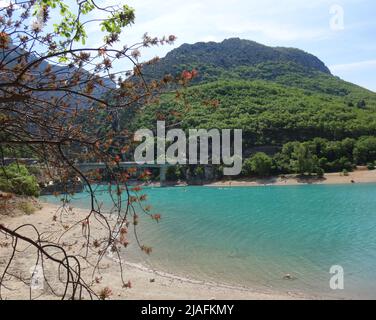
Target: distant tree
(174, 173)
(317, 146)
(348, 145)
(218, 171)
(365, 150)
(371, 166)
(361, 104)
(320, 172)
(323, 163)
(303, 162)
(199, 172)
(282, 160)
(344, 163)
(260, 164)
(17, 179)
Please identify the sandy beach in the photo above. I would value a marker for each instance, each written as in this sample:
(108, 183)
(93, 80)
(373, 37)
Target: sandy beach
(146, 283)
(361, 175)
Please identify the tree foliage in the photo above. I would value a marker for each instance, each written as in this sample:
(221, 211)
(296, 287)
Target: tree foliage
(53, 92)
(17, 179)
(260, 164)
(330, 156)
(268, 113)
(365, 150)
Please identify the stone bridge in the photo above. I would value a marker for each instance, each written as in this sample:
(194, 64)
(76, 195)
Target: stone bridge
(88, 166)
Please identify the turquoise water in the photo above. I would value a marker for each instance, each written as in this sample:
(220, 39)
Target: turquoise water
(253, 236)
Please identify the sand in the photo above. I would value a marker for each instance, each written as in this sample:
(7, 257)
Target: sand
(357, 176)
(146, 284)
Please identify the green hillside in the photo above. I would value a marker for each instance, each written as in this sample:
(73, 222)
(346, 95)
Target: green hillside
(214, 60)
(268, 113)
(276, 95)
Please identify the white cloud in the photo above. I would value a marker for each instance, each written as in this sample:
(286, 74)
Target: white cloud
(4, 3)
(275, 31)
(193, 20)
(354, 66)
(7, 3)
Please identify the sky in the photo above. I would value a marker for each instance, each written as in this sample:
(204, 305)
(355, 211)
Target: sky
(341, 33)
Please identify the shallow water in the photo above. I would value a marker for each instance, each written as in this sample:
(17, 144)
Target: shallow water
(253, 236)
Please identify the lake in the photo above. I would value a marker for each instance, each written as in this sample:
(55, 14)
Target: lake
(254, 236)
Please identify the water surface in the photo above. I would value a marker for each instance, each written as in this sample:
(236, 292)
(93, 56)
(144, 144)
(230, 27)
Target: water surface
(253, 236)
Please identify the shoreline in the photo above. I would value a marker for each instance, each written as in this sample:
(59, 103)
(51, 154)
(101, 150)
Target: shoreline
(147, 284)
(359, 176)
(151, 284)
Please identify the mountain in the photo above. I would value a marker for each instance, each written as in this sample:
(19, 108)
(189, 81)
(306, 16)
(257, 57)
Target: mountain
(248, 60)
(233, 55)
(275, 95)
(11, 57)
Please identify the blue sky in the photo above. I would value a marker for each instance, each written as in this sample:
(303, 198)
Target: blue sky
(314, 26)
(340, 32)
